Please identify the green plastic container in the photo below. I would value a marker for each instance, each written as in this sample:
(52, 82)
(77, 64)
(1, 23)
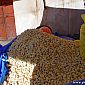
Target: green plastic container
(82, 38)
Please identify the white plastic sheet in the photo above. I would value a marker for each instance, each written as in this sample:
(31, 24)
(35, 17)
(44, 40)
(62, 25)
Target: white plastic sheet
(28, 14)
(74, 4)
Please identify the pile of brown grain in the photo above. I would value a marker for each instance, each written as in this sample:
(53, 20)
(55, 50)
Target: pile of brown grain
(57, 60)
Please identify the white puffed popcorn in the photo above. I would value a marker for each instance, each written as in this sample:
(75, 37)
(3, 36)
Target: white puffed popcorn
(21, 72)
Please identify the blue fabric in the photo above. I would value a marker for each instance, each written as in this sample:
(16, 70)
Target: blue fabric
(6, 47)
(64, 37)
(78, 82)
(67, 38)
(4, 68)
(3, 61)
(57, 34)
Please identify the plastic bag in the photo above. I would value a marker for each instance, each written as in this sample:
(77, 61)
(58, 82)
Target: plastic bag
(4, 61)
(82, 38)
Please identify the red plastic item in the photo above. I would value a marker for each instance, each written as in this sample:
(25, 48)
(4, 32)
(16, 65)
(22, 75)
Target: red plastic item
(45, 29)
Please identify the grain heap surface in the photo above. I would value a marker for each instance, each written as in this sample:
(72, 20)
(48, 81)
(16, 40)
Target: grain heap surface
(57, 60)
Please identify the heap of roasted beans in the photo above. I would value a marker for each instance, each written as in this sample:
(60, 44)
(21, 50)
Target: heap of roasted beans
(57, 61)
